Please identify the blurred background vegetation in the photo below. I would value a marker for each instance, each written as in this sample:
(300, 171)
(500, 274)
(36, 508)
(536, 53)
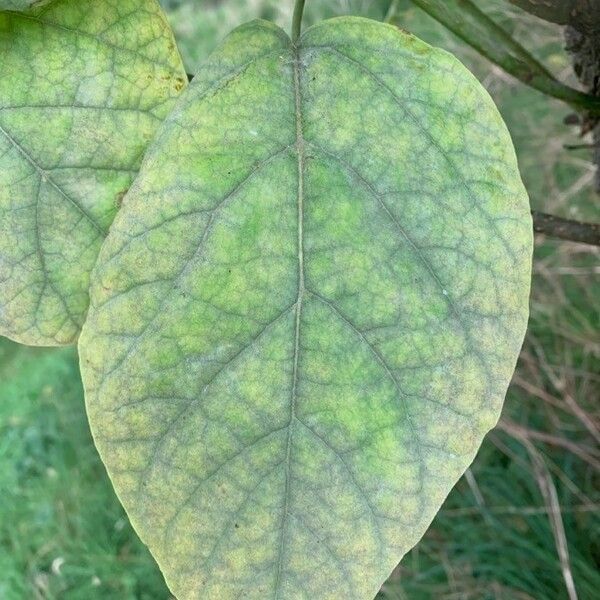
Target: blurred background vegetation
(521, 524)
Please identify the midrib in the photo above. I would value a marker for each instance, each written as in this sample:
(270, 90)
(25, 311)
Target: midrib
(46, 178)
(299, 300)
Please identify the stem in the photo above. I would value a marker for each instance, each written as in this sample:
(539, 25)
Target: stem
(391, 11)
(297, 20)
(578, 146)
(565, 229)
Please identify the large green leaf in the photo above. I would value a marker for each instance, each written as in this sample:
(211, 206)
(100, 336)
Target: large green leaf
(305, 318)
(83, 87)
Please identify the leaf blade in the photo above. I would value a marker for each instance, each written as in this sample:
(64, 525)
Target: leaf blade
(286, 424)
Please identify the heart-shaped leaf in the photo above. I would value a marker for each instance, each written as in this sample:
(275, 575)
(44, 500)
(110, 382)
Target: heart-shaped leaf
(305, 318)
(83, 87)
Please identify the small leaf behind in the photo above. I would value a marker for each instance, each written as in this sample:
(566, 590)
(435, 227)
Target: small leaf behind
(83, 87)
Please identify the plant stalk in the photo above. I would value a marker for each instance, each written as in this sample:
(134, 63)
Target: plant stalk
(391, 11)
(565, 229)
(297, 20)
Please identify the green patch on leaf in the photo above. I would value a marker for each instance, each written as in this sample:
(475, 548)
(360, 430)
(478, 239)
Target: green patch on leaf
(84, 86)
(305, 318)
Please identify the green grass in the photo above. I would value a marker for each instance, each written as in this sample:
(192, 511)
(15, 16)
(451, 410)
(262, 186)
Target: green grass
(63, 534)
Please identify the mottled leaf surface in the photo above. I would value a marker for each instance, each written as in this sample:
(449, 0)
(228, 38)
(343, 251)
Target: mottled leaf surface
(84, 86)
(305, 318)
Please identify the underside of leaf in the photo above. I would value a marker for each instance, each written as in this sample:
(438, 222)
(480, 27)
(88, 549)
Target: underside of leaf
(83, 87)
(304, 320)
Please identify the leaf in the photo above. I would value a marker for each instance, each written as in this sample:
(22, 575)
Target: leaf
(83, 87)
(305, 318)
(22, 5)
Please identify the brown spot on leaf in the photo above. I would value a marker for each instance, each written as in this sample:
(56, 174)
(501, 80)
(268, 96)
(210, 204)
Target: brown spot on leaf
(179, 83)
